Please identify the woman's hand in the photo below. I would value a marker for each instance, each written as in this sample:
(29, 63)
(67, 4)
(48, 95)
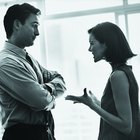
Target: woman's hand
(87, 99)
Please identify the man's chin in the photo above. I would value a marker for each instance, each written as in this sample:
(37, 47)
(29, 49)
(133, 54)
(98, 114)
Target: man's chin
(28, 45)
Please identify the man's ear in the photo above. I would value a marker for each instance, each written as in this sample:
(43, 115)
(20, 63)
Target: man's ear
(17, 24)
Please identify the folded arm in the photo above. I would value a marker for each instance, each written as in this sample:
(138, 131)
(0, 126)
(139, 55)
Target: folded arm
(22, 86)
(54, 82)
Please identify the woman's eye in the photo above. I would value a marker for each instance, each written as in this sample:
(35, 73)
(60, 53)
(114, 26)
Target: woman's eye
(91, 43)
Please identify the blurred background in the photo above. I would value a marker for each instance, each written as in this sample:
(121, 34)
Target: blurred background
(63, 46)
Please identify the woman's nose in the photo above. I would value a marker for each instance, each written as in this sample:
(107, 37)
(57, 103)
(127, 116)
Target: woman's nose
(89, 49)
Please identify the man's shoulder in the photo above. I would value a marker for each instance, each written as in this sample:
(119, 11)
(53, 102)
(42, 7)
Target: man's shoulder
(6, 57)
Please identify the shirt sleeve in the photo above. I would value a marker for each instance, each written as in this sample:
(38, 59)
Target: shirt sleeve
(20, 84)
(54, 81)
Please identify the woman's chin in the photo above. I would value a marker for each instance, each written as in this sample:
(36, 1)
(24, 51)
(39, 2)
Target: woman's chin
(96, 59)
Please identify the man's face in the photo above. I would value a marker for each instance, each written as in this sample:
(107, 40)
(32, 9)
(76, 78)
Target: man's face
(28, 31)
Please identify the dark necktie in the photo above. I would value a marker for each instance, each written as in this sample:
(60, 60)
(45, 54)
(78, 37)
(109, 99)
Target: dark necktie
(29, 60)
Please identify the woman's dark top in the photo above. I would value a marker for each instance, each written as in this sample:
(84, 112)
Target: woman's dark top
(106, 131)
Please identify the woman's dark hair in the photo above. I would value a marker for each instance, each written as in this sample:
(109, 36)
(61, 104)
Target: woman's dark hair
(18, 12)
(118, 49)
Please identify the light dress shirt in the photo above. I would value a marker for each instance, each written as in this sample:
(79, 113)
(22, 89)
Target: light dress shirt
(26, 92)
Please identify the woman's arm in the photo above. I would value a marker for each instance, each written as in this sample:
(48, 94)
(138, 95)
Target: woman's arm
(120, 88)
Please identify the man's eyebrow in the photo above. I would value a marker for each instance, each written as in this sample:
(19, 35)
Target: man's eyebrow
(35, 22)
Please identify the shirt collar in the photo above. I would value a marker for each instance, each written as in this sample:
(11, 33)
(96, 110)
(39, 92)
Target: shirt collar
(19, 51)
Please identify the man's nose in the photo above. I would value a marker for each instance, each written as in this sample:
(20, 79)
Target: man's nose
(36, 32)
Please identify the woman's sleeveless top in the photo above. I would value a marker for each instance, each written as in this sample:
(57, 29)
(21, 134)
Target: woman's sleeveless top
(106, 131)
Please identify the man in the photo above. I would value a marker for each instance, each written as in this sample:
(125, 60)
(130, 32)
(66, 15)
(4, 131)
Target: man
(27, 90)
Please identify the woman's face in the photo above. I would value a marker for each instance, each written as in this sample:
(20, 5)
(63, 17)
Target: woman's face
(98, 49)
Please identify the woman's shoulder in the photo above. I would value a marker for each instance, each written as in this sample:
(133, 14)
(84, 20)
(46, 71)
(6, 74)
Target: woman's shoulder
(122, 71)
(118, 78)
(117, 74)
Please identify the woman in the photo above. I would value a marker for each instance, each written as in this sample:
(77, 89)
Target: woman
(119, 106)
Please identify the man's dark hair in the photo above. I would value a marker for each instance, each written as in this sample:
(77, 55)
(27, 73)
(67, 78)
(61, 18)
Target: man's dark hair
(18, 12)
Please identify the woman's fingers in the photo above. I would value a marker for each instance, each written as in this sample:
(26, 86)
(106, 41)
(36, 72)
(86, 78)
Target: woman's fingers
(76, 102)
(90, 92)
(85, 92)
(75, 99)
(70, 97)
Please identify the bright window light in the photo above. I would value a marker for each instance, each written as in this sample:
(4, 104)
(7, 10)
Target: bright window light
(61, 6)
(133, 1)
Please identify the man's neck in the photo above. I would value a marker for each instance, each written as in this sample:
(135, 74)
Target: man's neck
(15, 43)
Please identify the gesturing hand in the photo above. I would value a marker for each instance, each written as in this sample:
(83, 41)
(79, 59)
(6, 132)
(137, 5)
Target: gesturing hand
(89, 100)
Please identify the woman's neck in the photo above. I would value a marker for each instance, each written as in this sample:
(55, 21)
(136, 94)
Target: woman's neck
(115, 66)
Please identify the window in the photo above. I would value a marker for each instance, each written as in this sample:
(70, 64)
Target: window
(68, 39)
(134, 41)
(62, 6)
(66, 33)
(133, 1)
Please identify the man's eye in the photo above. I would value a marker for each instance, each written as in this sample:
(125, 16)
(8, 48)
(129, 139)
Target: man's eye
(35, 26)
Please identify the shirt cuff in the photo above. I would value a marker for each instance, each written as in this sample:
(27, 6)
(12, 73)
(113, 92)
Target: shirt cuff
(51, 104)
(51, 88)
